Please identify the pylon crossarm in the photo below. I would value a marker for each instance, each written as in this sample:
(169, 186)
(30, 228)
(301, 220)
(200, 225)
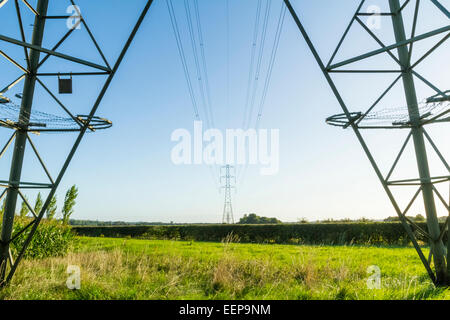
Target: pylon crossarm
(391, 47)
(54, 53)
(418, 181)
(27, 185)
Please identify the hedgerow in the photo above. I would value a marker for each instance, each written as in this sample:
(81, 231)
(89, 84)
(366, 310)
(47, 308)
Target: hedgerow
(382, 233)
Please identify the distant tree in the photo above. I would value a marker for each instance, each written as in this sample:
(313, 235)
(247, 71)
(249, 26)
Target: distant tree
(69, 203)
(24, 210)
(51, 209)
(252, 218)
(302, 220)
(38, 204)
(419, 218)
(392, 219)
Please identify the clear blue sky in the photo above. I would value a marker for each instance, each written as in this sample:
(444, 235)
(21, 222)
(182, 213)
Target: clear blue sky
(125, 173)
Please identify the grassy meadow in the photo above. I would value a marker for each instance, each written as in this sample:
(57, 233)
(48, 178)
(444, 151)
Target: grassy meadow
(160, 269)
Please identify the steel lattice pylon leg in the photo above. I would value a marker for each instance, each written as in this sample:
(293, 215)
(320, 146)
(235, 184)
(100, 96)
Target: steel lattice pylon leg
(415, 124)
(22, 127)
(437, 245)
(21, 138)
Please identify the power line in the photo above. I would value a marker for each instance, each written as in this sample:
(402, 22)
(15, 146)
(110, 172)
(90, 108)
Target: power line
(259, 63)
(185, 66)
(228, 50)
(205, 69)
(182, 55)
(280, 24)
(196, 60)
(204, 85)
(252, 59)
(271, 63)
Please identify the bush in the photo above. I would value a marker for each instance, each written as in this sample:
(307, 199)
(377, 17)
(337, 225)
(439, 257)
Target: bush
(254, 219)
(51, 239)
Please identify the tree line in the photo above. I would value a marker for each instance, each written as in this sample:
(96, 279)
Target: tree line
(52, 209)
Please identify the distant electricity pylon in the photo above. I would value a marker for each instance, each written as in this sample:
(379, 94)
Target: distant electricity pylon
(23, 119)
(226, 179)
(413, 118)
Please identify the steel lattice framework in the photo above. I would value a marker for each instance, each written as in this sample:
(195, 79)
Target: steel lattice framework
(31, 76)
(226, 178)
(415, 124)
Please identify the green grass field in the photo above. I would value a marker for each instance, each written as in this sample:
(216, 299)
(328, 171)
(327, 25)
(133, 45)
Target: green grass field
(144, 269)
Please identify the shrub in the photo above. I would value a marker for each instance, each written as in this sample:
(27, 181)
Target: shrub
(51, 239)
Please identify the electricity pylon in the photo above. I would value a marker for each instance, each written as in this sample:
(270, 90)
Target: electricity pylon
(415, 122)
(31, 75)
(226, 179)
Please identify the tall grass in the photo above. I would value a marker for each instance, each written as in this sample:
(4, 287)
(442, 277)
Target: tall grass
(142, 269)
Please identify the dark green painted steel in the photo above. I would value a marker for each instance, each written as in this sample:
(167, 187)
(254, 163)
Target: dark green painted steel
(21, 138)
(419, 144)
